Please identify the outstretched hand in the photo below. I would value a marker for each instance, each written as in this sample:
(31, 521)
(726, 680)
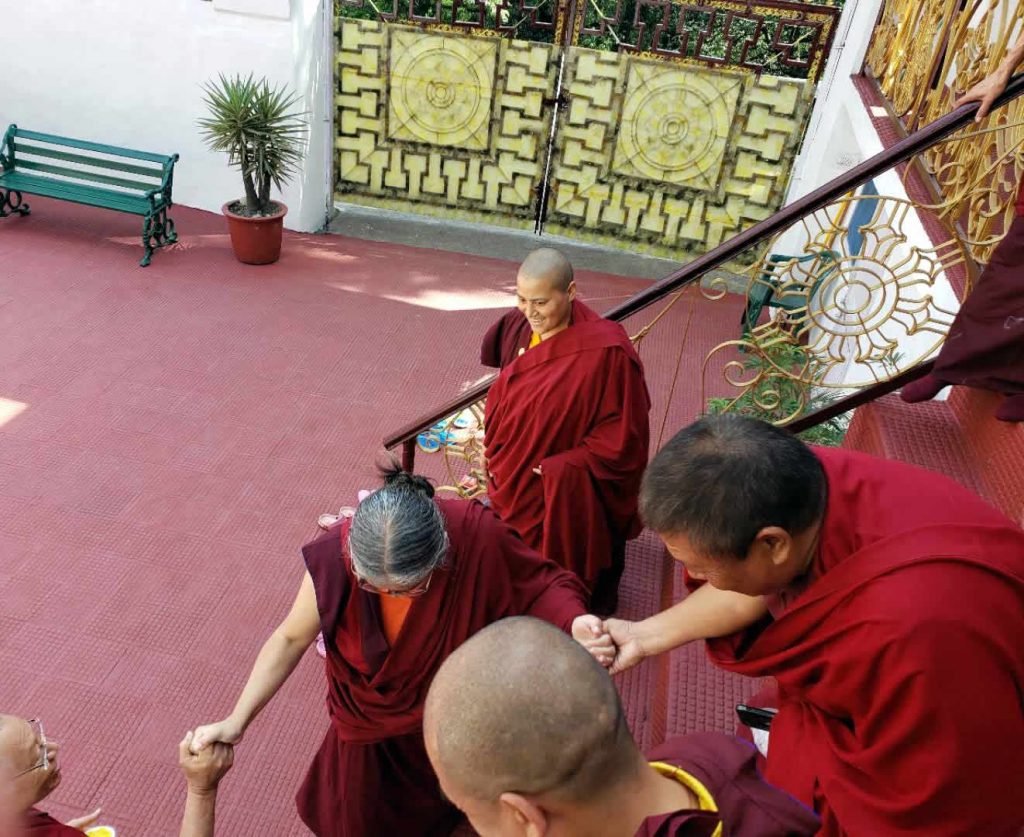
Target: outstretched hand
(88, 821)
(985, 91)
(589, 632)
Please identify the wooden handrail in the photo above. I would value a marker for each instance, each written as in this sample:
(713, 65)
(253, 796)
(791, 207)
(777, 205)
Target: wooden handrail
(693, 271)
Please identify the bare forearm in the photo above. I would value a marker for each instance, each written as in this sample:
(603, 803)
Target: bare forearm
(198, 820)
(276, 661)
(705, 613)
(1014, 57)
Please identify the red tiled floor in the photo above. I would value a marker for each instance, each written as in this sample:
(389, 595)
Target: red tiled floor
(182, 427)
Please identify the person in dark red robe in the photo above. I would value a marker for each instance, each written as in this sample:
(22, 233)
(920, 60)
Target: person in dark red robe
(566, 427)
(31, 766)
(985, 345)
(395, 589)
(527, 735)
(887, 602)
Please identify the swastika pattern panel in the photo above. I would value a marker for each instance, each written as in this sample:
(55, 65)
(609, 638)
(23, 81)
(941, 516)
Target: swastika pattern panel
(674, 157)
(441, 123)
(675, 125)
(441, 89)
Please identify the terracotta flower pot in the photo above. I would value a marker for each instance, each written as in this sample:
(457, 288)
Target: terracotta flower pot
(256, 240)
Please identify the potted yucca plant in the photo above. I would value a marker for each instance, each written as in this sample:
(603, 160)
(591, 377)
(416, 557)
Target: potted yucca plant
(256, 126)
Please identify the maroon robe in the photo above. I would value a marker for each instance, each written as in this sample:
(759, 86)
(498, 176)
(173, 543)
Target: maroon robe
(40, 824)
(900, 665)
(747, 805)
(372, 776)
(985, 344)
(576, 407)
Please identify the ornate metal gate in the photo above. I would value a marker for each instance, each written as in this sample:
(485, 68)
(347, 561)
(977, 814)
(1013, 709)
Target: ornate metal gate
(663, 125)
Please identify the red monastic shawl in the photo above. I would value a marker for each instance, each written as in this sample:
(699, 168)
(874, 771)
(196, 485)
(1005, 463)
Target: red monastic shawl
(985, 344)
(40, 824)
(372, 775)
(576, 407)
(747, 805)
(901, 666)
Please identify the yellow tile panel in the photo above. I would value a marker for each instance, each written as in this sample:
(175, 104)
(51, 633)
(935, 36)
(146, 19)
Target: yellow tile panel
(649, 154)
(670, 158)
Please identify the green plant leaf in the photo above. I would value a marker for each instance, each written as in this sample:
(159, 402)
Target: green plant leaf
(257, 127)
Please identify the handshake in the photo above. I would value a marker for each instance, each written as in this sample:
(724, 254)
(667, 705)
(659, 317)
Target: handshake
(614, 643)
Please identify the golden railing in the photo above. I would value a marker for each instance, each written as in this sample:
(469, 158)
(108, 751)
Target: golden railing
(922, 56)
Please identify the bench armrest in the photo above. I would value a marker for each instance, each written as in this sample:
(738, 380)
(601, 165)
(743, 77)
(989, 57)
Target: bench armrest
(167, 182)
(6, 158)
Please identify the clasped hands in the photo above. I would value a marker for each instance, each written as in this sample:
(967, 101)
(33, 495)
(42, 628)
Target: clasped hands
(614, 643)
(204, 763)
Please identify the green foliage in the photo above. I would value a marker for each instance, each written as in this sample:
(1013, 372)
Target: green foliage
(635, 26)
(776, 398)
(253, 123)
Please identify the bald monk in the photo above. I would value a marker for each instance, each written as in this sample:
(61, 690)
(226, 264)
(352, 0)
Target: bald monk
(394, 589)
(888, 603)
(31, 764)
(985, 345)
(527, 736)
(566, 427)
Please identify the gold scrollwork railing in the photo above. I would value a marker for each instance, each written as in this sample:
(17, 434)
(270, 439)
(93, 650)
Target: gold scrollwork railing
(924, 54)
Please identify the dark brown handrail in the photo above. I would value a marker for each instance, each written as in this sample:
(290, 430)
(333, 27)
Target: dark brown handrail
(859, 398)
(692, 271)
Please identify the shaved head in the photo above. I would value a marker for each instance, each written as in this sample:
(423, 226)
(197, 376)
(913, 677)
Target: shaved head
(520, 707)
(545, 291)
(549, 265)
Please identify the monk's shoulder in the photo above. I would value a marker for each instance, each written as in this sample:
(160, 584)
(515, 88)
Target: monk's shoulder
(727, 767)
(498, 347)
(922, 599)
(466, 520)
(326, 545)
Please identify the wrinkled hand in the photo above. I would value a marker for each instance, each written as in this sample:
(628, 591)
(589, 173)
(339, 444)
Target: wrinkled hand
(225, 732)
(629, 649)
(589, 632)
(204, 770)
(985, 91)
(88, 821)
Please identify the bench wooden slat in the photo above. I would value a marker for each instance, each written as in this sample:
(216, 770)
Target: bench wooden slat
(114, 165)
(92, 146)
(75, 193)
(77, 174)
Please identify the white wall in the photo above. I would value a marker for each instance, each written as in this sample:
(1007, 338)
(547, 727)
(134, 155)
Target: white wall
(839, 134)
(129, 73)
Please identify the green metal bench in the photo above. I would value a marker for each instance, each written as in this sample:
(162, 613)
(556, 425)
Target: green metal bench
(66, 169)
(767, 291)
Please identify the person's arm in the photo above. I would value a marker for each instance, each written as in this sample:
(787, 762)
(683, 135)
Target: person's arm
(705, 613)
(203, 772)
(988, 89)
(276, 661)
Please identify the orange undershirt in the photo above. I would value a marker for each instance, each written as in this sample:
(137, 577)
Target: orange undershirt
(534, 340)
(393, 610)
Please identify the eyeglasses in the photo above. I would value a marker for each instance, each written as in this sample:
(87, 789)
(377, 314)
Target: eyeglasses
(411, 592)
(44, 750)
